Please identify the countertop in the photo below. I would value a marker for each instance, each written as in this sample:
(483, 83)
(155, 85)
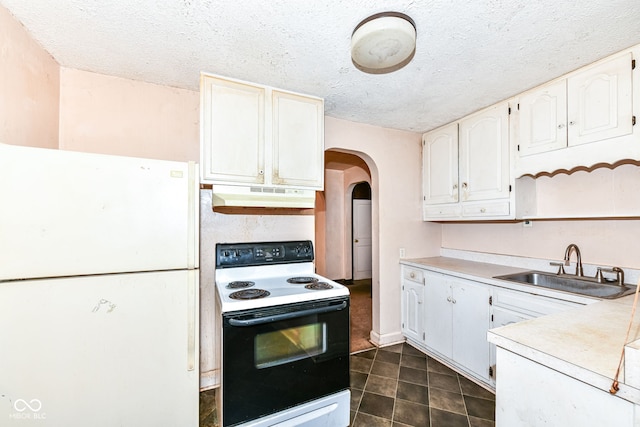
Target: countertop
(584, 343)
(484, 272)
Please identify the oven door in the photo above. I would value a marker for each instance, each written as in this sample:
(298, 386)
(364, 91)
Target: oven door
(275, 358)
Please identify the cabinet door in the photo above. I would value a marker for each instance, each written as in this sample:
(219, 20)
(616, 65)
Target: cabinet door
(233, 134)
(600, 104)
(412, 310)
(543, 119)
(440, 165)
(470, 325)
(438, 308)
(298, 140)
(484, 154)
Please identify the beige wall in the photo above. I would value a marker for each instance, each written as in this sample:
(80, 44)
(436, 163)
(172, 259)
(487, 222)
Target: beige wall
(597, 193)
(29, 88)
(602, 242)
(105, 114)
(334, 227)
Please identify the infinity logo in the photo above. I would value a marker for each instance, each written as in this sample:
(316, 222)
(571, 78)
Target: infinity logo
(21, 405)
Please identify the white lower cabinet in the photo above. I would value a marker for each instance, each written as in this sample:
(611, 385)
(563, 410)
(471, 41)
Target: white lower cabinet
(533, 395)
(456, 322)
(413, 303)
(448, 318)
(510, 306)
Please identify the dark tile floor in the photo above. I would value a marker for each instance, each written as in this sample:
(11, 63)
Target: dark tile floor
(399, 386)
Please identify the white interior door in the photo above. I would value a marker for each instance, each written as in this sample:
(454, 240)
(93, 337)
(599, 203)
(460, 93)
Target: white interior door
(361, 239)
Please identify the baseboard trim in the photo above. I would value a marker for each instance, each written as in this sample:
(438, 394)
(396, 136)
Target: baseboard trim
(386, 339)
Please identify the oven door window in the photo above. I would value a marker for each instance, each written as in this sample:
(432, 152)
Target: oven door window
(279, 347)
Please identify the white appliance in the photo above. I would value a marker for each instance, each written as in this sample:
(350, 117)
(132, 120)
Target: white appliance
(98, 290)
(284, 339)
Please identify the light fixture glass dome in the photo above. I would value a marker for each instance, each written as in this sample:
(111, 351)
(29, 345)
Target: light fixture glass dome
(383, 43)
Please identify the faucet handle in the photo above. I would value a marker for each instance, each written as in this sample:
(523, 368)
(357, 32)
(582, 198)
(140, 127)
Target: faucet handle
(619, 274)
(560, 266)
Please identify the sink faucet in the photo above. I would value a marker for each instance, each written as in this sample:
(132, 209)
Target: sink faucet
(567, 255)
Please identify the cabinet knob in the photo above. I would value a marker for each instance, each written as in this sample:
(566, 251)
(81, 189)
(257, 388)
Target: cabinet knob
(449, 299)
(453, 301)
(464, 185)
(561, 126)
(455, 186)
(261, 172)
(571, 123)
(483, 210)
(412, 275)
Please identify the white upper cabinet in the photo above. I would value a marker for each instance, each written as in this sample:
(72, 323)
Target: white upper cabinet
(233, 132)
(440, 165)
(581, 119)
(484, 154)
(298, 140)
(260, 136)
(600, 105)
(543, 119)
(466, 168)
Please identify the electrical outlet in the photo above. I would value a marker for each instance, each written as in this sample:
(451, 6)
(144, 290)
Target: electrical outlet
(402, 253)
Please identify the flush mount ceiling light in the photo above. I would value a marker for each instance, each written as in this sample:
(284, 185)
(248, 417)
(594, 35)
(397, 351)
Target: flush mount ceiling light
(383, 43)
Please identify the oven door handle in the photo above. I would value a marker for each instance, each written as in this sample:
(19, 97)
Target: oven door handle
(287, 316)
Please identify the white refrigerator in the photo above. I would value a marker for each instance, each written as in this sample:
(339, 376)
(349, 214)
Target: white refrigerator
(98, 290)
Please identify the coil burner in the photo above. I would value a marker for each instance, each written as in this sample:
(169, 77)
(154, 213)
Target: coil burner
(249, 294)
(239, 284)
(302, 280)
(318, 286)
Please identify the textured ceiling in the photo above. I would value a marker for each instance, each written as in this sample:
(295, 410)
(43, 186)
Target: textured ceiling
(470, 54)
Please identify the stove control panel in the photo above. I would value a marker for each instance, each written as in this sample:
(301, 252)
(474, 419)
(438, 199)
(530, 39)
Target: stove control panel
(263, 253)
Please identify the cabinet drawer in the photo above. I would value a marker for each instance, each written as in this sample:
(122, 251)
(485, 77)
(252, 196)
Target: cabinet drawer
(412, 274)
(441, 211)
(532, 305)
(486, 209)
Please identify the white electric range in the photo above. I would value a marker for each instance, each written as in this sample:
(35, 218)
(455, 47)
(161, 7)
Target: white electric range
(284, 338)
(254, 275)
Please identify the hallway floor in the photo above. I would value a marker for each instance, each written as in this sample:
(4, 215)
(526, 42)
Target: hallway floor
(401, 386)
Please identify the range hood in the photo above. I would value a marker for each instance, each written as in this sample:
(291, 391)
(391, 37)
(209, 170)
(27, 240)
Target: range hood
(266, 197)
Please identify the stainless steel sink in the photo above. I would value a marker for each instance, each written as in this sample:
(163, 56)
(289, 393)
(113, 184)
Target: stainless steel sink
(568, 283)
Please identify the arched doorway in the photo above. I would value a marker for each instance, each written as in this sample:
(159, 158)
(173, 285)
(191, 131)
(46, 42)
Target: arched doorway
(347, 188)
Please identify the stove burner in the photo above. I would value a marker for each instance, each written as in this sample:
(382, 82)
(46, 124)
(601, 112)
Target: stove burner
(302, 280)
(319, 286)
(249, 294)
(239, 284)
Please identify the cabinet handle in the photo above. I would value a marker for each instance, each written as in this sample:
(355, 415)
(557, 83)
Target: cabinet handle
(561, 126)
